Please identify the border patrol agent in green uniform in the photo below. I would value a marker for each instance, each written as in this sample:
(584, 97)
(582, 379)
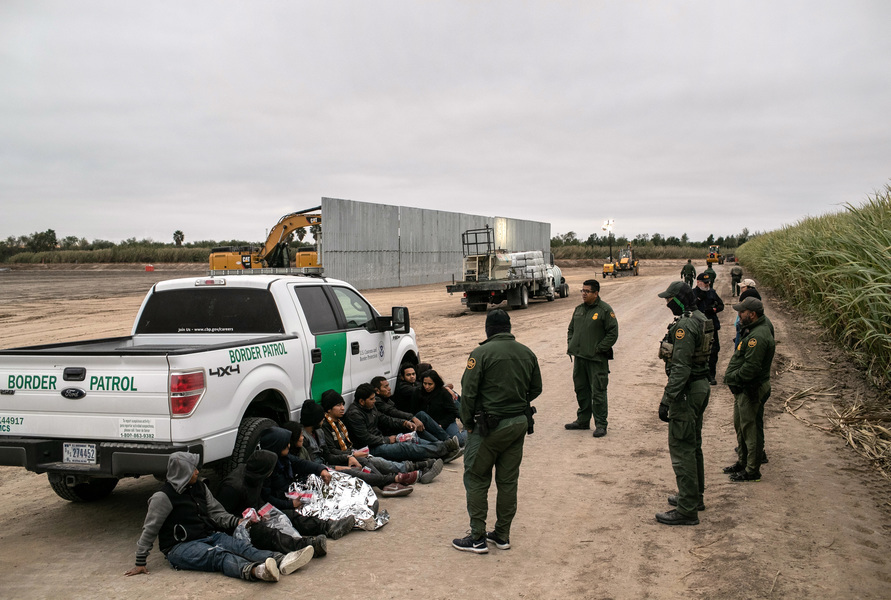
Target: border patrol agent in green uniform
(502, 378)
(748, 375)
(712, 276)
(688, 272)
(593, 330)
(685, 350)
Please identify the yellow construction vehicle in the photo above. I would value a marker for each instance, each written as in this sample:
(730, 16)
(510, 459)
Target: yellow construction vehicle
(626, 265)
(275, 253)
(714, 255)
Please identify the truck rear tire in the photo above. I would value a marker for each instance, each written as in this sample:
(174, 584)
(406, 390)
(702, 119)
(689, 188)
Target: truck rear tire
(96, 488)
(521, 298)
(248, 439)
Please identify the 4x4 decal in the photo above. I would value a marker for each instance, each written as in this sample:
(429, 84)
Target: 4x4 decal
(223, 371)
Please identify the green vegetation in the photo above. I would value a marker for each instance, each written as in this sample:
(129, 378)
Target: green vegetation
(45, 247)
(599, 253)
(596, 247)
(837, 268)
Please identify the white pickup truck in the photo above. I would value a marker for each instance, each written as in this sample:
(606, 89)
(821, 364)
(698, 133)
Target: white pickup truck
(211, 362)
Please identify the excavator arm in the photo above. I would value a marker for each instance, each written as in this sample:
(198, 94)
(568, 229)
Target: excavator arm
(275, 251)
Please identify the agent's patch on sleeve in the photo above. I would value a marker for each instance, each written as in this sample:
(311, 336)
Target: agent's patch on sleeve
(471, 363)
(753, 342)
(680, 333)
(613, 315)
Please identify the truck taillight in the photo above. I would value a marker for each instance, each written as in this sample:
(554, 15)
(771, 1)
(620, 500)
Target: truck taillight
(186, 390)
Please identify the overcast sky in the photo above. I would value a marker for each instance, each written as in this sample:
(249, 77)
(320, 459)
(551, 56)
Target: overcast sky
(128, 119)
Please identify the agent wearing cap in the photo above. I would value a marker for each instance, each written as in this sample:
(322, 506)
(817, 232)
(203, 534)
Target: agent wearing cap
(688, 272)
(712, 276)
(502, 378)
(710, 304)
(736, 273)
(748, 376)
(685, 350)
(593, 330)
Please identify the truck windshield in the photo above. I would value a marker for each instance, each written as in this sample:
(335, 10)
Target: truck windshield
(205, 310)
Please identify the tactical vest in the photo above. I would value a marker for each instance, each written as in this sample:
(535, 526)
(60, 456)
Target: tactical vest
(703, 350)
(188, 520)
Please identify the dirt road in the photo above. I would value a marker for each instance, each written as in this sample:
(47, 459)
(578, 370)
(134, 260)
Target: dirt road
(817, 526)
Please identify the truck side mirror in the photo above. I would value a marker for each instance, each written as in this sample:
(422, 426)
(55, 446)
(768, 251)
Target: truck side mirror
(400, 320)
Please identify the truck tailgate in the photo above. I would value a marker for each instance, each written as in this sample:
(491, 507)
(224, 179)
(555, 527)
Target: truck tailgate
(103, 397)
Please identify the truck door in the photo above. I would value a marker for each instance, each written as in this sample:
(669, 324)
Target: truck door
(368, 352)
(327, 347)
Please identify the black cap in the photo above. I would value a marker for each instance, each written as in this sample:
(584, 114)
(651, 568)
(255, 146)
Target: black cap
(704, 277)
(674, 290)
(311, 414)
(497, 321)
(750, 303)
(330, 399)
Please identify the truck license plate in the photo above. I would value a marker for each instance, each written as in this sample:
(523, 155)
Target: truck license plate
(79, 453)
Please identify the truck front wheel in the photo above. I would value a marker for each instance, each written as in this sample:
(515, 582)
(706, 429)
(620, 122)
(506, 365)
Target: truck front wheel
(248, 439)
(94, 489)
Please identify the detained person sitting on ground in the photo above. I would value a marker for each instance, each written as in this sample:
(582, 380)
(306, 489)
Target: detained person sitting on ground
(440, 403)
(406, 383)
(242, 489)
(335, 448)
(364, 423)
(425, 426)
(189, 525)
(289, 469)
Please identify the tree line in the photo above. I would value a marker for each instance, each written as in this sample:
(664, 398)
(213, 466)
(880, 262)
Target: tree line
(644, 239)
(49, 241)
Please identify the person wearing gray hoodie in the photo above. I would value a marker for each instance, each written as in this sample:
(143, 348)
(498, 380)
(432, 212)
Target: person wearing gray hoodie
(189, 525)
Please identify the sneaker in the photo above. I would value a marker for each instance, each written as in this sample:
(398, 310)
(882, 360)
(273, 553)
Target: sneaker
(745, 476)
(409, 478)
(429, 474)
(673, 517)
(713, 381)
(599, 432)
(734, 468)
(468, 544)
(319, 545)
(499, 543)
(452, 443)
(294, 560)
(395, 490)
(577, 425)
(453, 455)
(266, 571)
(338, 528)
(673, 501)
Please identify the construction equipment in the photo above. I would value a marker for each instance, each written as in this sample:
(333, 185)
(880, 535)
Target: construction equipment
(714, 255)
(275, 252)
(492, 275)
(627, 264)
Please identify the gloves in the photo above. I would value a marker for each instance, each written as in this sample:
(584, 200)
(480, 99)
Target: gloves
(663, 413)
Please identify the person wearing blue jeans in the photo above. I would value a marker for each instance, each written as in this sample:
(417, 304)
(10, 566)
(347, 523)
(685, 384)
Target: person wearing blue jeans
(441, 403)
(424, 425)
(365, 423)
(187, 521)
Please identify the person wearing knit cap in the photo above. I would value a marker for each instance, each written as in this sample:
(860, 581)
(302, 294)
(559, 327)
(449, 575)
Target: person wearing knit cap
(289, 468)
(748, 376)
(392, 478)
(593, 330)
(500, 381)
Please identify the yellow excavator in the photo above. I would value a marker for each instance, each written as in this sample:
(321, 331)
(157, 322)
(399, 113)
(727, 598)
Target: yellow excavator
(628, 264)
(275, 253)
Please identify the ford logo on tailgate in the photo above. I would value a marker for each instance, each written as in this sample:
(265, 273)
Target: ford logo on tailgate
(73, 393)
